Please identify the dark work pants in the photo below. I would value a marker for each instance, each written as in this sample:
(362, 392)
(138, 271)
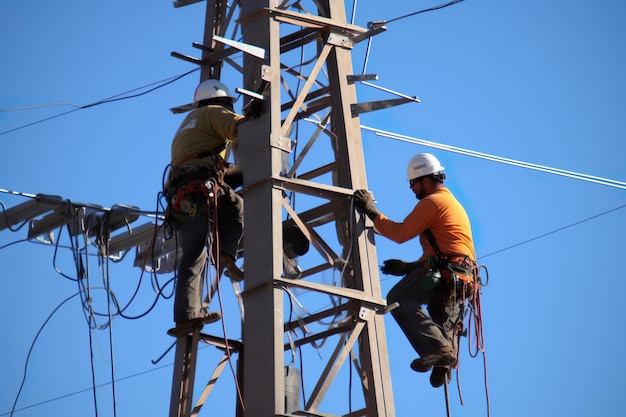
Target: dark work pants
(426, 330)
(193, 238)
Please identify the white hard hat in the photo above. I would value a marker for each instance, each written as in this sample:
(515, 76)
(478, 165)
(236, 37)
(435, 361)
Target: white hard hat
(209, 89)
(423, 164)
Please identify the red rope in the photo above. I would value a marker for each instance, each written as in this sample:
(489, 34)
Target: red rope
(218, 269)
(475, 307)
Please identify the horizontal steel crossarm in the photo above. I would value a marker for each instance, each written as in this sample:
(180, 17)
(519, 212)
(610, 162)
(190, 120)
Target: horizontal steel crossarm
(221, 343)
(312, 21)
(311, 188)
(350, 293)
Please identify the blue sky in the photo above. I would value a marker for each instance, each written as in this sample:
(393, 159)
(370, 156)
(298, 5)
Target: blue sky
(534, 81)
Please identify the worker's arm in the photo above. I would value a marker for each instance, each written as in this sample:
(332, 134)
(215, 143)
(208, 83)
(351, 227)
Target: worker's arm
(418, 220)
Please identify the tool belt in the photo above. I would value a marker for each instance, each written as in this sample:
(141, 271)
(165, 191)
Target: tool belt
(188, 196)
(456, 276)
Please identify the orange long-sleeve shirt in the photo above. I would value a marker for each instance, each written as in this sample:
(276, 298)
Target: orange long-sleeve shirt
(440, 212)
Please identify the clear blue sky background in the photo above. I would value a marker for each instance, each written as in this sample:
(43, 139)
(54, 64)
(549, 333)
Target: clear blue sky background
(535, 81)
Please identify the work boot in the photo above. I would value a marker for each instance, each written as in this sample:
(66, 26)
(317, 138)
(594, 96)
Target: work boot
(439, 357)
(232, 270)
(187, 326)
(440, 375)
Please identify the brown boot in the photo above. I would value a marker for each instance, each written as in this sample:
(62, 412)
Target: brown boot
(440, 375)
(441, 357)
(188, 326)
(232, 270)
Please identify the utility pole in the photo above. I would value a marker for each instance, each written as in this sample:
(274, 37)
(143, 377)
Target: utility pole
(302, 160)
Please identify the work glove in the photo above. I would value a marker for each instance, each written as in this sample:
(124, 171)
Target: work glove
(365, 202)
(253, 109)
(394, 267)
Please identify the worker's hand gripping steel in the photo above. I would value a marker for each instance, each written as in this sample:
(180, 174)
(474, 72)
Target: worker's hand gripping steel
(364, 200)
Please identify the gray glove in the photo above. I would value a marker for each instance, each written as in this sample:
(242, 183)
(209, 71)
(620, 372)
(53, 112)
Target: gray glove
(365, 202)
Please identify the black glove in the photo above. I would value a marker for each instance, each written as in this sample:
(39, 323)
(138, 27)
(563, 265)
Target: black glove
(364, 201)
(253, 109)
(394, 267)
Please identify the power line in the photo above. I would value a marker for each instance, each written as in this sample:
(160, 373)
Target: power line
(556, 171)
(86, 389)
(553, 231)
(430, 9)
(160, 84)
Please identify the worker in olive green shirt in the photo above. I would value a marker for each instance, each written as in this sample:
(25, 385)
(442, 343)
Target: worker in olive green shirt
(198, 151)
(431, 332)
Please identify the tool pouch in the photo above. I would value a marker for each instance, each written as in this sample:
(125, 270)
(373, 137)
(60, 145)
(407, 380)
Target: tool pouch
(432, 277)
(188, 199)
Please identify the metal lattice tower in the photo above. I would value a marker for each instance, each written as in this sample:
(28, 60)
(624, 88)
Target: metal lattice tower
(301, 160)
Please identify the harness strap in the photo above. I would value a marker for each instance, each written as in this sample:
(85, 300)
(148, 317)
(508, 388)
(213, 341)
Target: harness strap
(215, 152)
(461, 265)
(188, 188)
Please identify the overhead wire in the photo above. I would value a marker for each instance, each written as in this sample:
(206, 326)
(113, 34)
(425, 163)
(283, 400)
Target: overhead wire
(111, 99)
(32, 346)
(553, 231)
(430, 9)
(508, 161)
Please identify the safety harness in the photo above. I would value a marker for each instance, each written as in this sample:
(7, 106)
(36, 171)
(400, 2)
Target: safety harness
(462, 277)
(188, 194)
(458, 271)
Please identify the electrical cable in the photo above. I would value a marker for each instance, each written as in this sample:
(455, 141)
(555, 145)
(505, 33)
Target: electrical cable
(104, 242)
(111, 99)
(430, 9)
(494, 158)
(93, 369)
(86, 389)
(553, 231)
(13, 243)
(542, 235)
(6, 219)
(218, 269)
(30, 351)
(38, 106)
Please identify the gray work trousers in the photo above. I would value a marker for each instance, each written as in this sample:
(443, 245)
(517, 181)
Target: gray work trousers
(193, 238)
(426, 329)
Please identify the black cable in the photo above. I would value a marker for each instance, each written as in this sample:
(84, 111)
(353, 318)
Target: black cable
(6, 219)
(553, 231)
(441, 6)
(93, 369)
(543, 235)
(108, 100)
(87, 389)
(13, 243)
(33, 345)
(107, 284)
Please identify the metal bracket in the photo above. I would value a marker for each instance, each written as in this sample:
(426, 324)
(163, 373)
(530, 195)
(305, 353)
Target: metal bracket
(280, 142)
(375, 29)
(341, 40)
(366, 314)
(390, 307)
(359, 108)
(244, 47)
(361, 77)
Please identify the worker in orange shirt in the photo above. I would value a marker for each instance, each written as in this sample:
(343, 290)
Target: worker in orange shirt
(440, 278)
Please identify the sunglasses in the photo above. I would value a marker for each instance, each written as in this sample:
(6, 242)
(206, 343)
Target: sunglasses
(414, 181)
